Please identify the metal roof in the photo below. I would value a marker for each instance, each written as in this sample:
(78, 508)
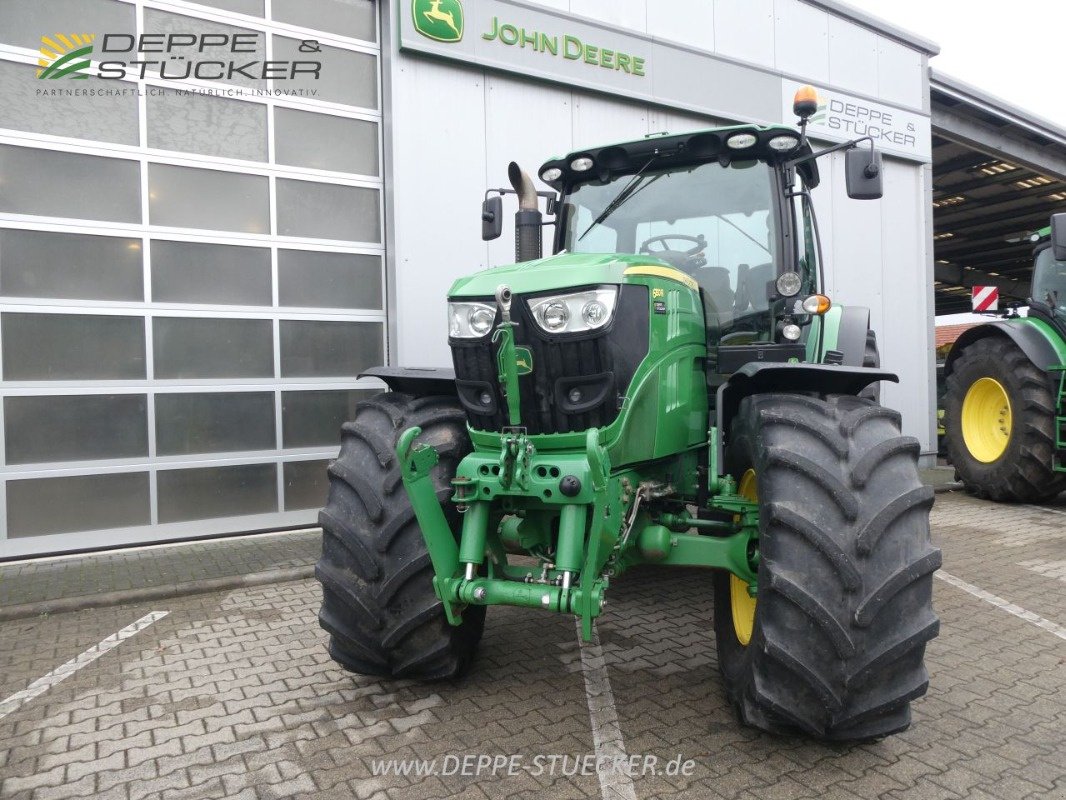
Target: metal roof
(999, 173)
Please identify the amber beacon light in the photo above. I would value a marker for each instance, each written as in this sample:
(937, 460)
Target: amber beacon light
(805, 103)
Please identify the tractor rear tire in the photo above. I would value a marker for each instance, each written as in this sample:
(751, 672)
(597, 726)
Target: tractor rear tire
(1024, 471)
(844, 604)
(378, 603)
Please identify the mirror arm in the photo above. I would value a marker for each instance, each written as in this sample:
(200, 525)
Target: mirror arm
(834, 149)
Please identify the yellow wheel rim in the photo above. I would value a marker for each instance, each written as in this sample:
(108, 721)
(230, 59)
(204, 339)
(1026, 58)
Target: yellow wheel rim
(742, 603)
(986, 420)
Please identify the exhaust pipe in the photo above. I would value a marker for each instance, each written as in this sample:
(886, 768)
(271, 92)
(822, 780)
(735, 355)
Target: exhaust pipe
(527, 221)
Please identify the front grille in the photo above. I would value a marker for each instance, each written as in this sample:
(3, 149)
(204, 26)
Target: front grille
(598, 365)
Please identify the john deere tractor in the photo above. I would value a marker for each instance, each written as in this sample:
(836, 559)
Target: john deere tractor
(671, 387)
(1005, 408)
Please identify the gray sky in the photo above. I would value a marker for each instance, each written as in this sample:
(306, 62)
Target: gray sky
(1013, 50)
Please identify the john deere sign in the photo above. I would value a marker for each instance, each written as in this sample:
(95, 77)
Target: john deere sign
(440, 20)
(567, 46)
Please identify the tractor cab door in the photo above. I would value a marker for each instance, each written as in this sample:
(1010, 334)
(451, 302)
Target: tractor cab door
(1049, 289)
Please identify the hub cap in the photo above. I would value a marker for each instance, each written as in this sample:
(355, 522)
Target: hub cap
(986, 420)
(742, 603)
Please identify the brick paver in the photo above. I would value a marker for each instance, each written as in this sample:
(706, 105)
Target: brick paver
(232, 695)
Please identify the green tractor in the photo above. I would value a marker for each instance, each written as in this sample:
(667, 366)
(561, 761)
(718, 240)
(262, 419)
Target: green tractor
(669, 388)
(1005, 407)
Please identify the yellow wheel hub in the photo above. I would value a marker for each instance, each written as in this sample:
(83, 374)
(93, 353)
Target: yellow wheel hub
(986, 420)
(742, 603)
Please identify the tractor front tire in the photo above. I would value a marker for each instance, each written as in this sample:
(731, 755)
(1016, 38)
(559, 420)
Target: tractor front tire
(378, 603)
(1002, 458)
(844, 605)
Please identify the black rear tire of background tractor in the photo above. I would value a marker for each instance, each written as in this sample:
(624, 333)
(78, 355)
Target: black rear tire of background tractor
(1024, 472)
(378, 603)
(844, 605)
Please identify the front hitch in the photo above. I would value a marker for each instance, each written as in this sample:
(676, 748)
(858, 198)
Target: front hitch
(416, 469)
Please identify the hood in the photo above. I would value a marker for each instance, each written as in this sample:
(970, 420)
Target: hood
(555, 272)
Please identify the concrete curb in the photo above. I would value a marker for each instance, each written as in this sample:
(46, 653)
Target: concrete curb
(148, 593)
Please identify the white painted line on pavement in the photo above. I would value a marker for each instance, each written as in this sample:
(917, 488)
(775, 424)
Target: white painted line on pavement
(59, 674)
(999, 602)
(615, 782)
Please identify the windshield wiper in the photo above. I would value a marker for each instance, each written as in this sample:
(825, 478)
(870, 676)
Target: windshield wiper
(627, 191)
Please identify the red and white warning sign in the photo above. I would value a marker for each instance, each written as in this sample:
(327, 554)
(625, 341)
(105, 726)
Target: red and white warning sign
(985, 298)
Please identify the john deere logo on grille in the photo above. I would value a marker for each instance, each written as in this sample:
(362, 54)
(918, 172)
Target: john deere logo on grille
(523, 358)
(440, 20)
(65, 55)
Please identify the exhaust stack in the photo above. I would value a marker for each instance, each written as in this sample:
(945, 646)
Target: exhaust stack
(528, 219)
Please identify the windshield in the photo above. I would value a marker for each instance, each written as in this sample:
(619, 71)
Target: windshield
(1049, 280)
(715, 223)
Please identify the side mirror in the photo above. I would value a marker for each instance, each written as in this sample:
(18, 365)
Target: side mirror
(863, 174)
(1058, 236)
(492, 218)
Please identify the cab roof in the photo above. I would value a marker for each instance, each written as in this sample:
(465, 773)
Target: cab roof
(679, 150)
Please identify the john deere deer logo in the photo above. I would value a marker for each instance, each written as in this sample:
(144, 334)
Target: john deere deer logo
(441, 20)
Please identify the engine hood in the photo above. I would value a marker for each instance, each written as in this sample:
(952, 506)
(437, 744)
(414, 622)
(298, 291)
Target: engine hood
(558, 272)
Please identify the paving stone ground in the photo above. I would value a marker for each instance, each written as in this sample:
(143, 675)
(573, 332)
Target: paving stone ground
(233, 695)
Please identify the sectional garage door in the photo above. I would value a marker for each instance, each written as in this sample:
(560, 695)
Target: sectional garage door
(191, 271)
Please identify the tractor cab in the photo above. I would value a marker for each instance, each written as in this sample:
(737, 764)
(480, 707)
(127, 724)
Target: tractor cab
(729, 207)
(690, 203)
(1049, 276)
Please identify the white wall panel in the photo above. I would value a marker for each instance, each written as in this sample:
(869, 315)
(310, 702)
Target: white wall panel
(559, 5)
(904, 335)
(528, 123)
(689, 22)
(678, 121)
(439, 180)
(855, 247)
(631, 14)
(852, 57)
(744, 29)
(598, 120)
(899, 74)
(801, 40)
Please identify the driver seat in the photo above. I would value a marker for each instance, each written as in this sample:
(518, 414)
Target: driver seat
(751, 288)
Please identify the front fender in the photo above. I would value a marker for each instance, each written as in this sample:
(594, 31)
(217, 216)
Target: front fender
(1033, 337)
(772, 377)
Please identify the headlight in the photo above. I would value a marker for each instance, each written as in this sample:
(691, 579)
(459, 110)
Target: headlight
(576, 312)
(791, 331)
(783, 143)
(789, 284)
(467, 320)
(741, 141)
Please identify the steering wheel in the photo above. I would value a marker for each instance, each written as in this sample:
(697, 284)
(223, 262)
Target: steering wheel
(689, 259)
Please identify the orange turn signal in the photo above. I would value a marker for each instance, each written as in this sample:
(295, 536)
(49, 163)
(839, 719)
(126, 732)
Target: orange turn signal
(805, 103)
(817, 304)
